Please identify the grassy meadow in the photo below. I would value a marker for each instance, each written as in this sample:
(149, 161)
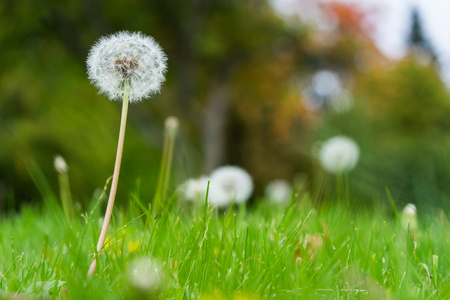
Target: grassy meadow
(243, 84)
(262, 251)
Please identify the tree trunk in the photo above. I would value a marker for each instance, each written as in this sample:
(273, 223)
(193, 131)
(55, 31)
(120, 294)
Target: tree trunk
(214, 125)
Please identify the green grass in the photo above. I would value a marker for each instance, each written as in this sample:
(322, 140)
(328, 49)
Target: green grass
(258, 252)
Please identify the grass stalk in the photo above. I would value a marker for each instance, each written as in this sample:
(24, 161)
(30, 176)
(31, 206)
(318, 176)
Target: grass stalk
(171, 126)
(66, 198)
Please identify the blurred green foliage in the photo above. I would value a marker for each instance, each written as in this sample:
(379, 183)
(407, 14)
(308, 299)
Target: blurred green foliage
(235, 71)
(48, 107)
(401, 122)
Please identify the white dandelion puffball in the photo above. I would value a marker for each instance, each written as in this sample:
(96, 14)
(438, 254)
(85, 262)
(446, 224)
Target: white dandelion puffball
(60, 164)
(278, 191)
(195, 189)
(228, 184)
(171, 125)
(127, 57)
(409, 217)
(145, 274)
(339, 154)
(326, 83)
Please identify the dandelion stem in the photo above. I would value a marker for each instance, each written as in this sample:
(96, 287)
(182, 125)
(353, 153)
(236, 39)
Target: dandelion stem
(158, 200)
(66, 199)
(168, 166)
(166, 163)
(112, 195)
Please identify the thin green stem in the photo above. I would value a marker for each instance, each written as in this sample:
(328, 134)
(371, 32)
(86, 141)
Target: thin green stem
(168, 165)
(112, 195)
(66, 198)
(158, 200)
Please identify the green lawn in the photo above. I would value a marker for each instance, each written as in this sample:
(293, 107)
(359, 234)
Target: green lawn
(258, 252)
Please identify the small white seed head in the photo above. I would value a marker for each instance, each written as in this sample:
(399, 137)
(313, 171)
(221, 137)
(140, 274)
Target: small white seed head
(339, 154)
(409, 217)
(194, 190)
(228, 184)
(145, 274)
(60, 164)
(278, 191)
(171, 125)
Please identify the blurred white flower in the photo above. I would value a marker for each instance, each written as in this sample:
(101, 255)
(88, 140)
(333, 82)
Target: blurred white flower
(326, 83)
(60, 164)
(326, 88)
(409, 217)
(171, 125)
(229, 184)
(195, 189)
(278, 191)
(339, 154)
(127, 57)
(145, 274)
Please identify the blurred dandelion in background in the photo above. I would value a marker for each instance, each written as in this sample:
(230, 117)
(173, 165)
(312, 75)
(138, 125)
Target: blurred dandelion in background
(326, 89)
(145, 275)
(339, 154)
(171, 124)
(326, 83)
(229, 184)
(278, 191)
(409, 217)
(170, 133)
(127, 56)
(64, 187)
(194, 190)
(60, 164)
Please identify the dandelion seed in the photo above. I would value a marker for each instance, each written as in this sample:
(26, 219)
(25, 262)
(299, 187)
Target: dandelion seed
(228, 184)
(127, 56)
(339, 154)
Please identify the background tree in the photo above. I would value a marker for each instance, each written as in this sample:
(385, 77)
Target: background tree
(418, 44)
(237, 77)
(400, 121)
(48, 106)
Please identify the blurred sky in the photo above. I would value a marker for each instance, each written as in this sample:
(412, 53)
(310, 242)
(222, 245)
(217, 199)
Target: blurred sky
(391, 20)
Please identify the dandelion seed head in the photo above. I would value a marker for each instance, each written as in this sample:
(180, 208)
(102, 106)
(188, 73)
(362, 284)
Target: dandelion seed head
(410, 210)
(409, 217)
(339, 154)
(229, 184)
(278, 191)
(171, 125)
(145, 274)
(326, 83)
(195, 189)
(60, 164)
(127, 57)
